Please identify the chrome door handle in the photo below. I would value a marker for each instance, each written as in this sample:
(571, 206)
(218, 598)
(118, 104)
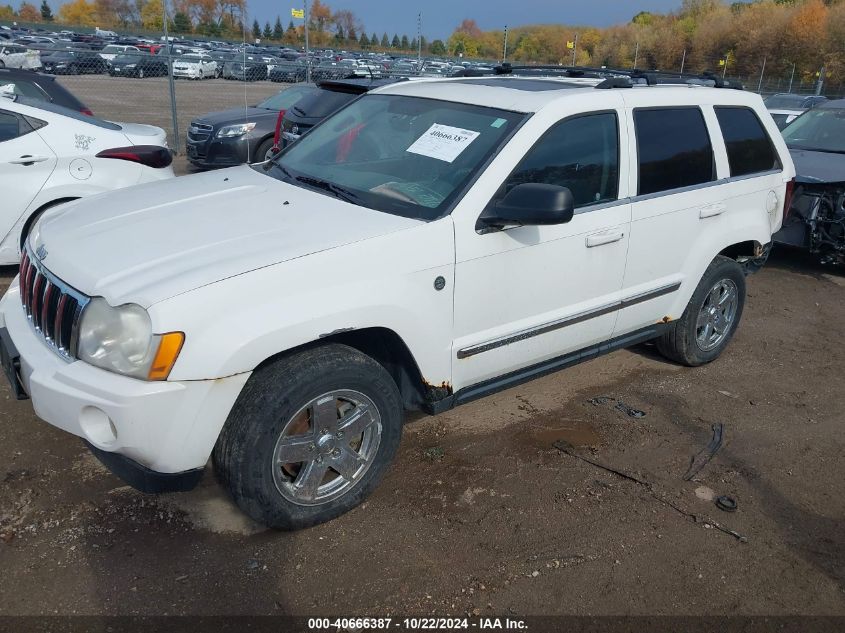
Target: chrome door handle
(712, 210)
(604, 238)
(28, 160)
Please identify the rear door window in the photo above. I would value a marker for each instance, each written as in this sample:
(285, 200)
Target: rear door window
(673, 149)
(750, 149)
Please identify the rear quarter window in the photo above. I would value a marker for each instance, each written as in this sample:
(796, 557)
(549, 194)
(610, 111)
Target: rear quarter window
(750, 149)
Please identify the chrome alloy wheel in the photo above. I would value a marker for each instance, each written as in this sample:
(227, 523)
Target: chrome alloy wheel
(716, 315)
(326, 447)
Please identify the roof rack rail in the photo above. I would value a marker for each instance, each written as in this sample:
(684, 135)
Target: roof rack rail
(633, 76)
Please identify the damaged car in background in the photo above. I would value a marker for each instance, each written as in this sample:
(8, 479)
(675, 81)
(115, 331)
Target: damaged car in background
(816, 141)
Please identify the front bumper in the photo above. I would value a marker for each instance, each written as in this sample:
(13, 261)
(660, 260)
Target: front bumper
(209, 151)
(187, 74)
(165, 428)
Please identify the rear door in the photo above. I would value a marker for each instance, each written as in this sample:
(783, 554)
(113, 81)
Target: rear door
(26, 163)
(678, 196)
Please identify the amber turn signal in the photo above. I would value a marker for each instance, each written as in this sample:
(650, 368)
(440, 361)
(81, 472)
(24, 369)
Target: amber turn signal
(169, 346)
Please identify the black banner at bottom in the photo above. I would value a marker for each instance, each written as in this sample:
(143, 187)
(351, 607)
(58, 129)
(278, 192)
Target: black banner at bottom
(355, 624)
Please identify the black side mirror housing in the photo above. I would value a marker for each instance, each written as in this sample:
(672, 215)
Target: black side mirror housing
(529, 204)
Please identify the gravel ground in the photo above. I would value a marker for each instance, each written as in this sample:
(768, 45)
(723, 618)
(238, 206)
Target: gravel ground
(481, 514)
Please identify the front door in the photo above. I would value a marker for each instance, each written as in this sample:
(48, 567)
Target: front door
(533, 293)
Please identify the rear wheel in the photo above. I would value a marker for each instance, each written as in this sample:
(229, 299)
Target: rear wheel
(710, 318)
(310, 437)
(140, 73)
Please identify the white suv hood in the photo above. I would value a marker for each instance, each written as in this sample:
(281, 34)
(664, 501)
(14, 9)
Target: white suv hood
(147, 243)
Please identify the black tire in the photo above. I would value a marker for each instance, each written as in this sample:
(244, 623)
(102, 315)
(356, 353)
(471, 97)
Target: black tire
(680, 341)
(261, 151)
(244, 454)
(139, 73)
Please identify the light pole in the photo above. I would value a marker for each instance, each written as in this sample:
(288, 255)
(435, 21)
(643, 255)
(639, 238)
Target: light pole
(791, 77)
(173, 116)
(307, 58)
(505, 47)
(419, 40)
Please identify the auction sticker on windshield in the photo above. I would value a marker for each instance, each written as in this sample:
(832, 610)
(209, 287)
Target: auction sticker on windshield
(443, 142)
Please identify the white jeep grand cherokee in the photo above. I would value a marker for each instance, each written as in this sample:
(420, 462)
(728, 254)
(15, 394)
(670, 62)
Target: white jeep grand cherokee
(428, 244)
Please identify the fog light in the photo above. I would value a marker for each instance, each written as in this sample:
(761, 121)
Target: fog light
(97, 426)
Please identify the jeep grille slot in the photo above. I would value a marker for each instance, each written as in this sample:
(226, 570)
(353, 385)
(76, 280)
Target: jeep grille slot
(51, 306)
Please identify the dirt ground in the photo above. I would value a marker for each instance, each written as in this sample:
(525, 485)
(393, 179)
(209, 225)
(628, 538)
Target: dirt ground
(480, 513)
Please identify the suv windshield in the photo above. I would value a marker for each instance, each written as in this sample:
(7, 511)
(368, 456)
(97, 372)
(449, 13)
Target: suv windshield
(822, 130)
(402, 155)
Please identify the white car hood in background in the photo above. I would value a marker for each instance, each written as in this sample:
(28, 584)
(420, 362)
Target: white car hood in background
(140, 134)
(147, 243)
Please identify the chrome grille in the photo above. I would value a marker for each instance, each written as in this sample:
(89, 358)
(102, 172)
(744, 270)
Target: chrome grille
(52, 307)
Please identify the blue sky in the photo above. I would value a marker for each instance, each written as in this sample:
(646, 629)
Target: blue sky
(440, 17)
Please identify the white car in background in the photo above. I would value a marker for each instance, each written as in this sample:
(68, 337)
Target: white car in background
(113, 50)
(17, 56)
(50, 155)
(195, 66)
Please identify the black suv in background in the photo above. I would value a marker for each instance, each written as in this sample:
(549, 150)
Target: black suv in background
(33, 85)
(333, 95)
(240, 135)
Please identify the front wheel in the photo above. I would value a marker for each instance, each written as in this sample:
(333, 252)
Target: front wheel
(140, 73)
(310, 437)
(710, 318)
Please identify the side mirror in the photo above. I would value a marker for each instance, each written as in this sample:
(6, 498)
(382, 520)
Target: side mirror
(529, 204)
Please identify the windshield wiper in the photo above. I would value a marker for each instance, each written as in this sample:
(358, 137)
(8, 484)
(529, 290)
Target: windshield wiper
(325, 185)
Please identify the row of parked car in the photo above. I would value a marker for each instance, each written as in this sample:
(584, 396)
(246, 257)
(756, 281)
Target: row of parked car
(364, 275)
(66, 53)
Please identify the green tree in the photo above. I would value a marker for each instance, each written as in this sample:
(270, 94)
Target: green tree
(256, 29)
(182, 23)
(7, 13)
(278, 31)
(438, 47)
(46, 11)
(339, 36)
(423, 43)
(385, 43)
(373, 40)
(405, 44)
(364, 42)
(394, 43)
(268, 31)
(414, 44)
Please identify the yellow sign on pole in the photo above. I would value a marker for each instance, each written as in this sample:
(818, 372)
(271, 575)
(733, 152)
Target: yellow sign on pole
(570, 45)
(297, 13)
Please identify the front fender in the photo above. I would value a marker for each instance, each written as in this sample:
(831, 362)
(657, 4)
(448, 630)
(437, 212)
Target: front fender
(233, 325)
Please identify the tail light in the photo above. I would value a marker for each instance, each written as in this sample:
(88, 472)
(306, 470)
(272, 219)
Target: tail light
(86, 112)
(787, 198)
(150, 155)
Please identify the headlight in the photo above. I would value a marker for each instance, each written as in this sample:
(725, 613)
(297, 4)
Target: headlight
(235, 130)
(121, 340)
